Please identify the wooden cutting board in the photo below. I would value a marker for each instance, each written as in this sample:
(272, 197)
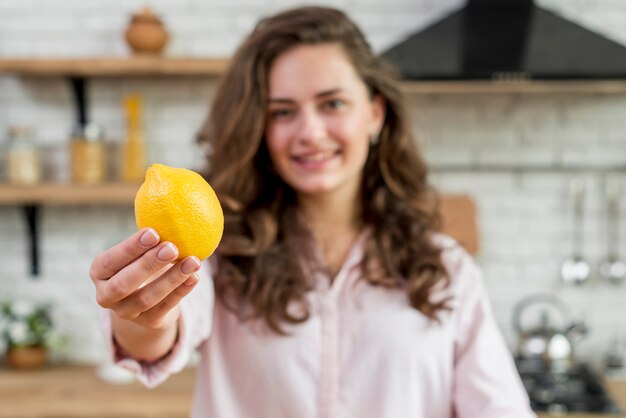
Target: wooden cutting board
(459, 219)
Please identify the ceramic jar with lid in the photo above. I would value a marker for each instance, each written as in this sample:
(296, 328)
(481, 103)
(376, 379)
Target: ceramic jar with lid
(146, 33)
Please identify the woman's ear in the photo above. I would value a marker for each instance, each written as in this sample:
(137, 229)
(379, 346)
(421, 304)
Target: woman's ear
(379, 109)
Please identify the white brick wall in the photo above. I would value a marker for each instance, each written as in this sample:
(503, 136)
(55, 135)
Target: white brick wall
(524, 215)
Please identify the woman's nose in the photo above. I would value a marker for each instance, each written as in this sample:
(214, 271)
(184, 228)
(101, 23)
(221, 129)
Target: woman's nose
(312, 127)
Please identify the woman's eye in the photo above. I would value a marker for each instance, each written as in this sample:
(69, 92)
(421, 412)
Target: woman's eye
(280, 113)
(334, 104)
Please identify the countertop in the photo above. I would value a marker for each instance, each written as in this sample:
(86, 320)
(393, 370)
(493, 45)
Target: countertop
(76, 392)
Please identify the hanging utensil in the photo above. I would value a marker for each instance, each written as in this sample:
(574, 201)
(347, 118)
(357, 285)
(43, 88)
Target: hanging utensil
(576, 270)
(612, 269)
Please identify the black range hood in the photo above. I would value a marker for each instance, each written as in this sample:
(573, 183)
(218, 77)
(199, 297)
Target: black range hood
(507, 40)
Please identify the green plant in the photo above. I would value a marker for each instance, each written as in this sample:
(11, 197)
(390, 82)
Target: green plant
(25, 324)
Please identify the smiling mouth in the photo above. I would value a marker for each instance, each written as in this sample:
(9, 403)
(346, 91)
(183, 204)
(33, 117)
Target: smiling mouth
(318, 157)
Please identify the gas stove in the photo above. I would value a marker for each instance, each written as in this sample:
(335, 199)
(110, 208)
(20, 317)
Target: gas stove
(577, 390)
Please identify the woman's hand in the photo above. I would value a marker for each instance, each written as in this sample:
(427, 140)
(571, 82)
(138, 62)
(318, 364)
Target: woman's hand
(138, 282)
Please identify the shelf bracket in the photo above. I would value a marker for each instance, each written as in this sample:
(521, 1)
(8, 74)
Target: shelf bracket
(31, 214)
(80, 101)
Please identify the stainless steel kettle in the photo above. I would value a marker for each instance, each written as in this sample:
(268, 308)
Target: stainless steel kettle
(546, 345)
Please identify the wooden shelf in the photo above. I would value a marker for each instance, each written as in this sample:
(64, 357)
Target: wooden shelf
(522, 87)
(213, 67)
(68, 194)
(115, 66)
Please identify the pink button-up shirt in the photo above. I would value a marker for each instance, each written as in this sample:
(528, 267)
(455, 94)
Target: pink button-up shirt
(364, 352)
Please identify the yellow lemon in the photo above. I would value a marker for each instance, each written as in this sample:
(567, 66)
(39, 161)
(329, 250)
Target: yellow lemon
(182, 207)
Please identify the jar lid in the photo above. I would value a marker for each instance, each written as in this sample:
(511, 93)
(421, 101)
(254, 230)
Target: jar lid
(91, 132)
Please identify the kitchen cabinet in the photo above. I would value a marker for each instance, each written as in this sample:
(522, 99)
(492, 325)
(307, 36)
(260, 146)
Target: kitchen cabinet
(76, 392)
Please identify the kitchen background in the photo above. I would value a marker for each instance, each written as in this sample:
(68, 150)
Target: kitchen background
(515, 154)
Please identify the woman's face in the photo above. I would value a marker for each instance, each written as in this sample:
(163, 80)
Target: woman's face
(320, 118)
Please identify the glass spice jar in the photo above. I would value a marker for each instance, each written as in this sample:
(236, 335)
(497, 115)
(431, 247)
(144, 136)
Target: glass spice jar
(23, 165)
(88, 155)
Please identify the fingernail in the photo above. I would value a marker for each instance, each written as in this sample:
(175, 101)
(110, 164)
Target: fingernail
(168, 252)
(149, 238)
(190, 265)
(193, 279)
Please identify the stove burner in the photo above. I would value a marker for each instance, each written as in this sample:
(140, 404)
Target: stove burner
(577, 390)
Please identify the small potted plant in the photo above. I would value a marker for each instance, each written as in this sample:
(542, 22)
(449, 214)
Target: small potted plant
(25, 333)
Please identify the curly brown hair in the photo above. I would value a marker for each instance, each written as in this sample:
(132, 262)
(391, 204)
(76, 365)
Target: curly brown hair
(259, 274)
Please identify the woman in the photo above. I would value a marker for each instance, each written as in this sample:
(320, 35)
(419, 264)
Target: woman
(331, 294)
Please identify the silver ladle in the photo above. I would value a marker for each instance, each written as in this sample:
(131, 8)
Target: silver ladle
(612, 269)
(576, 270)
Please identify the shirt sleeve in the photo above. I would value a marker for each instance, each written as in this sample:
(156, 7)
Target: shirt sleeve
(486, 383)
(194, 327)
